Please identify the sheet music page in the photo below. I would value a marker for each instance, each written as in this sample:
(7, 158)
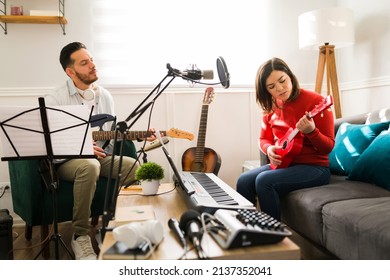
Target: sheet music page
(26, 134)
(21, 126)
(66, 139)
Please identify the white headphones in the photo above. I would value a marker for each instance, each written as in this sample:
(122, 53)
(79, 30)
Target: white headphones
(88, 94)
(133, 234)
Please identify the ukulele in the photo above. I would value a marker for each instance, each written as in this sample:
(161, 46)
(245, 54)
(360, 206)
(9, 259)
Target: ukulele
(200, 158)
(290, 147)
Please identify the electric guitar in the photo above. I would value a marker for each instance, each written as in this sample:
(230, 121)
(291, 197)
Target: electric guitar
(100, 135)
(201, 158)
(290, 148)
(135, 135)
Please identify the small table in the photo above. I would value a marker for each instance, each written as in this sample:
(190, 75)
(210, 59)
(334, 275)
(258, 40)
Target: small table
(167, 204)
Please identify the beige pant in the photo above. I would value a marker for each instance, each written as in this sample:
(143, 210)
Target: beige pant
(84, 173)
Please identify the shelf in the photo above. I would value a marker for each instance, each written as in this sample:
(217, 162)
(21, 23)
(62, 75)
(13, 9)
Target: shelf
(34, 19)
(60, 19)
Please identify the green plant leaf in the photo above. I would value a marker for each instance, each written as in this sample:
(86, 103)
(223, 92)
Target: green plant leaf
(149, 171)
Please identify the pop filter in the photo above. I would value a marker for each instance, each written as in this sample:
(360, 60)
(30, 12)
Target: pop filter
(223, 73)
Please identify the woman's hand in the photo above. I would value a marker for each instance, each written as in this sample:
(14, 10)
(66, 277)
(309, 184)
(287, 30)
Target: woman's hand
(274, 158)
(306, 125)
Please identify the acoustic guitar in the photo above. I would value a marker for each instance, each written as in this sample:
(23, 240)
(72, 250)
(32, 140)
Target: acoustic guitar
(291, 146)
(201, 158)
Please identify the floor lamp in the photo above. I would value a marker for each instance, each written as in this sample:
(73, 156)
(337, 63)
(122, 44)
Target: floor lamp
(316, 30)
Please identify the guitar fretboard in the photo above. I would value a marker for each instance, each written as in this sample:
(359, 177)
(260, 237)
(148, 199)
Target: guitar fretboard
(199, 153)
(130, 135)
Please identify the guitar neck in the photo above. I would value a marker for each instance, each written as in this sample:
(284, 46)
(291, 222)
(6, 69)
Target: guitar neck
(293, 134)
(199, 154)
(130, 135)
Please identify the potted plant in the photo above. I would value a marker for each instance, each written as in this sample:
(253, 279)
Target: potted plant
(150, 174)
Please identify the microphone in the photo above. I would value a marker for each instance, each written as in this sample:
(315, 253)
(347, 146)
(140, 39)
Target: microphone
(174, 226)
(193, 73)
(155, 144)
(196, 74)
(191, 225)
(223, 74)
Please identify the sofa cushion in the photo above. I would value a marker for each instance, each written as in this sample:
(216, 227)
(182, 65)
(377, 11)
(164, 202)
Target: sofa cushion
(350, 142)
(382, 115)
(373, 166)
(358, 228)
(302, 209)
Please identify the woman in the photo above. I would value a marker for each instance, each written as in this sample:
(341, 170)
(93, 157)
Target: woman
(286, 106)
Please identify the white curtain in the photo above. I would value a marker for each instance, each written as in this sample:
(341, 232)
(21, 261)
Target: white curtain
(134, 40)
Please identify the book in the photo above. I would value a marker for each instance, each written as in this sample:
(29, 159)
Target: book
(127, 214)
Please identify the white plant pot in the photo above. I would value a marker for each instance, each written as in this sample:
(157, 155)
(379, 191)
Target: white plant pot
(150, 187)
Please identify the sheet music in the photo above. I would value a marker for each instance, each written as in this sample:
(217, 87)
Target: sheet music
(23, 126)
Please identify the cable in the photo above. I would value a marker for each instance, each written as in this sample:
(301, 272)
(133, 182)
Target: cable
(4, 189)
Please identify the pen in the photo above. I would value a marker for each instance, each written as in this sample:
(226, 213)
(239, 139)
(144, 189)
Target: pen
(133, 187)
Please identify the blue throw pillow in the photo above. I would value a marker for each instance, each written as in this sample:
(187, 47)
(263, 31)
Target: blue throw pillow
(373, 166)
(350, 142)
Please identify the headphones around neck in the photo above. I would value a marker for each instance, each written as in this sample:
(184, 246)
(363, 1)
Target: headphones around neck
(88, 94)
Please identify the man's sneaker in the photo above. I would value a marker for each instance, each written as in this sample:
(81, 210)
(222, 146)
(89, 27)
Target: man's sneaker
(82, 248)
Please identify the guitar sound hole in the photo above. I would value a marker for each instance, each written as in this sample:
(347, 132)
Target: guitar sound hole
(284, 145)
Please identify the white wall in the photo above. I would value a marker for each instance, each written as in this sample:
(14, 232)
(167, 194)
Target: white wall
(29, 67)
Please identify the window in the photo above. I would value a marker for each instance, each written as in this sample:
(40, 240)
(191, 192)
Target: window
(134, 40)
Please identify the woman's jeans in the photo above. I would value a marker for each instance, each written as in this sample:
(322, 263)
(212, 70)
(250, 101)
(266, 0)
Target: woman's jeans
(270, 185)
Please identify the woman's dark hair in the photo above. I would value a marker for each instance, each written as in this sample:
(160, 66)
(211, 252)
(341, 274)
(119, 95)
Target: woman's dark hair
(263, 97)
(67, 51)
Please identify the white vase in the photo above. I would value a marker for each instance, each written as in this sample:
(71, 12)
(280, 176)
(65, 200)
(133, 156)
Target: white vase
(150, 187)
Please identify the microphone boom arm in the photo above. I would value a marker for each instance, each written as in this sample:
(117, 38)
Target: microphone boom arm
(139, 110)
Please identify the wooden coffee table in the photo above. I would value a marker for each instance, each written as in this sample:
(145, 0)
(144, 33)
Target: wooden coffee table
(167, 204)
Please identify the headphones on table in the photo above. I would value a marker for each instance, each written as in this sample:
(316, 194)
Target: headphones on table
(133, 234)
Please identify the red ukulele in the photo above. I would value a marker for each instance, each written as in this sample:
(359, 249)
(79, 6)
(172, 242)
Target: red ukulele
(289, 148)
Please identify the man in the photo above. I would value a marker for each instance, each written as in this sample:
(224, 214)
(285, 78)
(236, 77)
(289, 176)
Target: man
(81, 89)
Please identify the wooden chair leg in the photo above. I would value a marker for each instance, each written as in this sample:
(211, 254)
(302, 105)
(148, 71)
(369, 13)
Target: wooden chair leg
(28, 232)
(44, 236)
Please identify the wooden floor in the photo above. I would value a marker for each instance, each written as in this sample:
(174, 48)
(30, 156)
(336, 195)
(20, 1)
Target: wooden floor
(29, 250)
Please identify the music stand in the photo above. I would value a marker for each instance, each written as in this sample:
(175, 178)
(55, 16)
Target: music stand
(49, 129)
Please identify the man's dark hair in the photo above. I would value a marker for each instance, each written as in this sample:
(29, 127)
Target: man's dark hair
(67, 51)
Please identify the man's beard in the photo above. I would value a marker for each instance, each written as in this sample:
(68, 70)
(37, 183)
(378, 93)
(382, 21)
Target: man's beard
(85, 79)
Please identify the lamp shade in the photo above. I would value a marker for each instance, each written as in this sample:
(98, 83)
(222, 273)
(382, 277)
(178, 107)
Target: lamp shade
(329, 25)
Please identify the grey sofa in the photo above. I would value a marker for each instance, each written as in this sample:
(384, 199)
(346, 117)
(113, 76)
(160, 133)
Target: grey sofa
(347, 219)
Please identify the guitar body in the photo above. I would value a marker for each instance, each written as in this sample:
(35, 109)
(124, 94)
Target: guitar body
(210, 164)
(200, 158)
(288, 152)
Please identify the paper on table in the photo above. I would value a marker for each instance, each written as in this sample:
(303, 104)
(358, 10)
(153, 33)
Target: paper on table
(21, 126)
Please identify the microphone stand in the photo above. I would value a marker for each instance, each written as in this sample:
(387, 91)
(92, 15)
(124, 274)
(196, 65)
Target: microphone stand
(122, 127)
(144, 156)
